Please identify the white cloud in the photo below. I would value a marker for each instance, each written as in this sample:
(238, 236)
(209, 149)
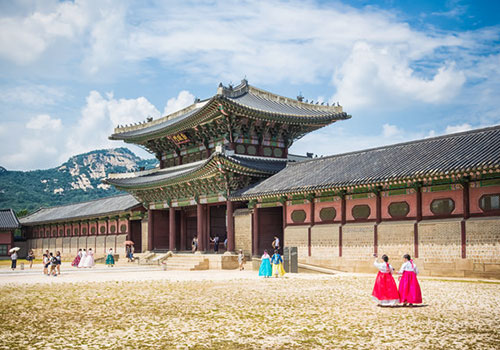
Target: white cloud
(44, 122)
(451, 129)
(32, 95)
(391, 130)
(98, 118)
(184, 99)
(24, 39)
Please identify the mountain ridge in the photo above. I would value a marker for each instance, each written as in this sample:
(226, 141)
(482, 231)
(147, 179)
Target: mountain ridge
(78, 179)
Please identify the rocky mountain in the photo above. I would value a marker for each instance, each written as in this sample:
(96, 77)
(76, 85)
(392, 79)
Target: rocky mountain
(78, 179)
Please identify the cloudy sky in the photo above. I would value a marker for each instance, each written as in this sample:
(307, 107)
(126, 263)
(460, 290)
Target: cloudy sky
(72, 70)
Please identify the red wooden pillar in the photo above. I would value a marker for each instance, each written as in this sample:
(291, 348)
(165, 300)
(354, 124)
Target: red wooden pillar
(171, 229)
(284, 219)
(419, 218)
(200, 224)
(309, 238)
(183, 231)
(378, 209)
(151, 229)
(342, 222)
(230, 226)
(465, 195)
(255, 231)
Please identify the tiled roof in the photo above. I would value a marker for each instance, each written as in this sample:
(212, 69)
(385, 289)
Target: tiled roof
(258, 164)
(244, 96)
(93, 208)
(455, 153)
(8, 219)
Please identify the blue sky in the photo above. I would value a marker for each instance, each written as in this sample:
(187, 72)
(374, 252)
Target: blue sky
(71, 71)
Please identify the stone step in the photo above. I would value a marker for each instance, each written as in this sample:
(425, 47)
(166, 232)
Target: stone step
(185, 263)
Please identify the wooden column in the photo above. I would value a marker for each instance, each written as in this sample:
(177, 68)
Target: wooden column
(206, 217)
(419, 218)
(255, 231)
(378, 210)
(309, 238)
(171, 229)
(343, 210)
(230, 226)
(466, 200)
(183, 231)
(200, 224)
(284, 219)
(340, 241)
(150, 230)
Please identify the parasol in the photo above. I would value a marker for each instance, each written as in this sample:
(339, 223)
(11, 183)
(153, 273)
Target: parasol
(15, 249)
(128, 243)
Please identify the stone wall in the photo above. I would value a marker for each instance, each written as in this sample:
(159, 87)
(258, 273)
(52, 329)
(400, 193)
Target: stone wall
(439, 246)
(297, 236)
(396, 238)
(243, 231)
(69, 246)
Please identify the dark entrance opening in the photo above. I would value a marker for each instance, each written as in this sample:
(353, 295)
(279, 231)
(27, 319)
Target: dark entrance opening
(270, 225)
(218, 225)
(136, 235)
(191, 226)
(160, 231)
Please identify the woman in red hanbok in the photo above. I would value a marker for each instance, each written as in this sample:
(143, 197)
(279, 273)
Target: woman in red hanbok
(385, 291)
(409, 289)
(76, 261)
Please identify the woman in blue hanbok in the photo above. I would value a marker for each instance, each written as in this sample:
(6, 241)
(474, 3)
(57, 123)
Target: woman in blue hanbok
(265, 265)
(277, 262)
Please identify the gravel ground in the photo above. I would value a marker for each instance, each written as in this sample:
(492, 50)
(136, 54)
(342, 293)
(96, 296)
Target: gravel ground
(141, 308)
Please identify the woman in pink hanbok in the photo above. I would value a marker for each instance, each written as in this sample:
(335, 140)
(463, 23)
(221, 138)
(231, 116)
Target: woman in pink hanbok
(409, 289)
(385, 291)
(89, 260)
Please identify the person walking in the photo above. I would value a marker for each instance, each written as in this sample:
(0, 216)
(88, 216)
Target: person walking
(13, 257)
(52, 264)
(216, 241)
(276, 243)
(194, 244)
(89, 260)
(58, 262)
(409, 288)
(82, 258)
(31, 257)
(46, 263)
(110, 259)
(385, 291)
(77, 259)
(277, 262)
(265, 265)
(241, 260)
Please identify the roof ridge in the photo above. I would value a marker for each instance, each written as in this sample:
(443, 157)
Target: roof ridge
(69, 204)
(394, 145)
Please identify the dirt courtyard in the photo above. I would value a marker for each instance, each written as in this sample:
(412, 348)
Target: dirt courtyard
(233, 310)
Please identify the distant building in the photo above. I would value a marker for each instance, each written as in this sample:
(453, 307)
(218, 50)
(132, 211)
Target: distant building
(8, 225)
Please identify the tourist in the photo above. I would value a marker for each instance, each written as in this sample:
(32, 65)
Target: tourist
(241, 260)
(83, 258)
(277, 262)
(265, 265)
(13, 257)
(31, 257)
(276, 243)
(409, 289)
(194, 244)
(46, 262)
(58, 262)
(89, 260)
(110, 259)
(77, 259)
(216, 240)
(52, 264)
(385, 291)
(129, 249)
(225, 244)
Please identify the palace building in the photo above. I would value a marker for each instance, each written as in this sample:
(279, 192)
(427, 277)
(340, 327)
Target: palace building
(225, 170)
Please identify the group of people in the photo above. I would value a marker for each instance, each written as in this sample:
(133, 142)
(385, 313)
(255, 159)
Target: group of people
(386, 293)
(215, 240)
(52, 263)
(84, 258)
(272, 265)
